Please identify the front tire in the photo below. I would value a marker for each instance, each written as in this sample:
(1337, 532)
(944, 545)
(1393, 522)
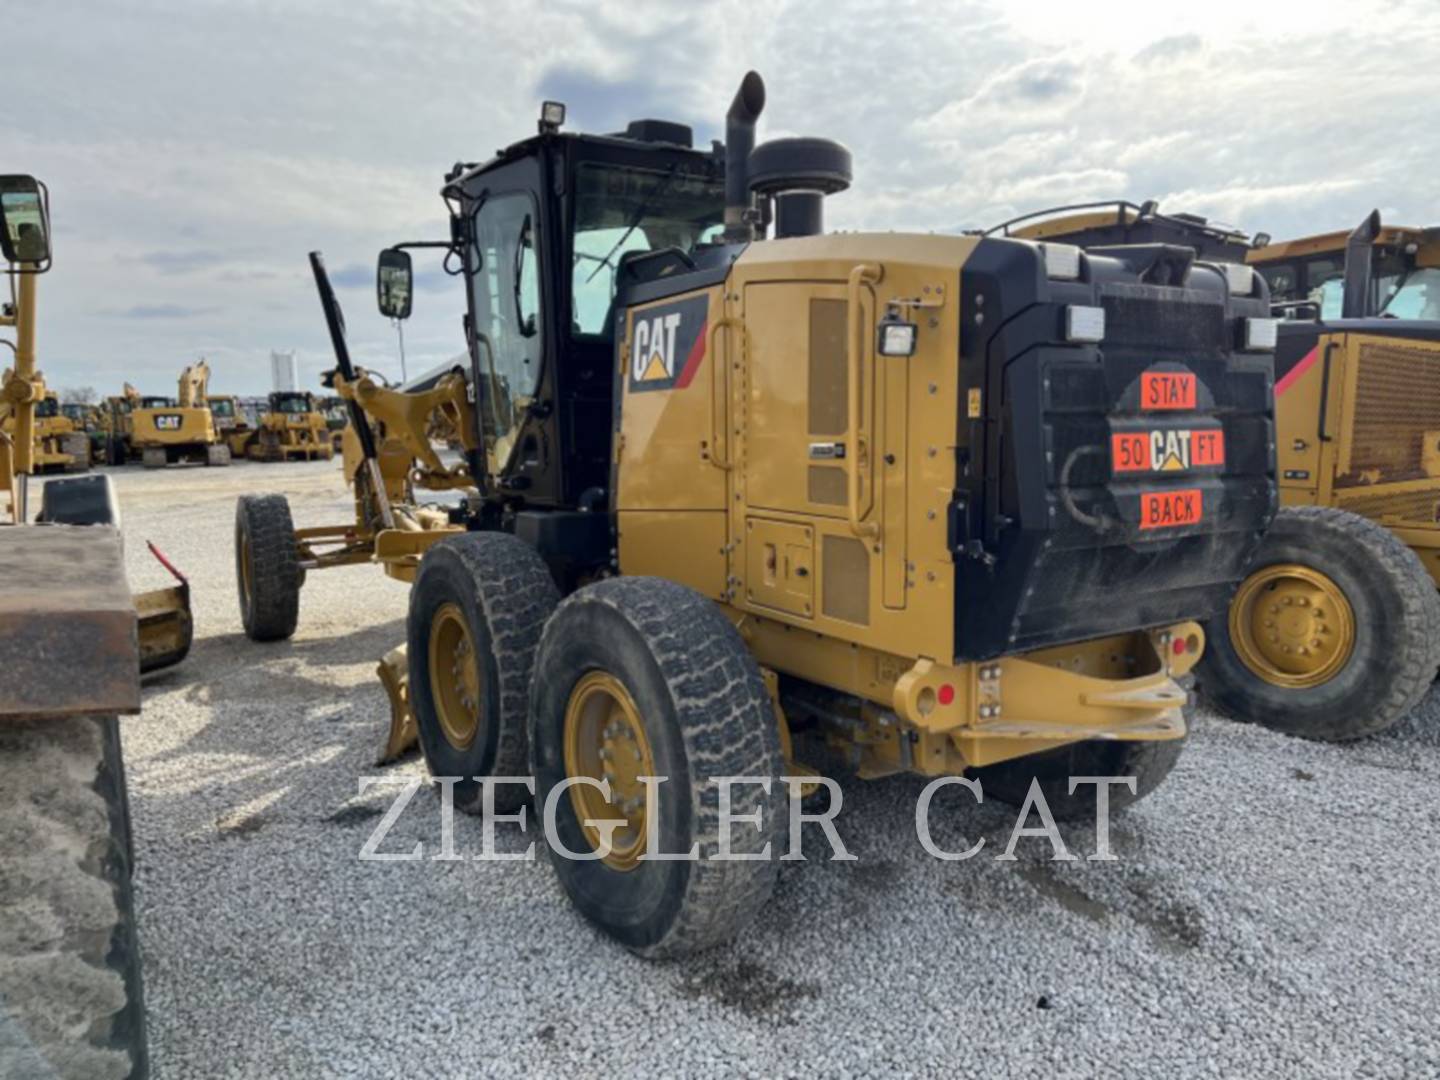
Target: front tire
(477, 609)
(267, 567)
(643, 673)
(1334, 635)
(69, 957)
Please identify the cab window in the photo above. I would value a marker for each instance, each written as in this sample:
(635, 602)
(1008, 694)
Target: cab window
(620, 210)
(505, 297)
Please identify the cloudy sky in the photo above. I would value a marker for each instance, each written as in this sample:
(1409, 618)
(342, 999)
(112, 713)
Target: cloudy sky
(196, 150)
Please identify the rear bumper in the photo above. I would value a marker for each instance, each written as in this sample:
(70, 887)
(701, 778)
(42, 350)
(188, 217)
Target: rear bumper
(1122, 687)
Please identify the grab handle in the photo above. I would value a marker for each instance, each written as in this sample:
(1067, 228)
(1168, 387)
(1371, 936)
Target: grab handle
(863, 275)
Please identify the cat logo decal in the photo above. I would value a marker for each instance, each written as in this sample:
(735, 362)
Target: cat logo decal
(667, 343)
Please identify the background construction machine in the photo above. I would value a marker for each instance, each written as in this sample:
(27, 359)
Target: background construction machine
(167, 431)
(729, 499)
(115, 423)
(71, 649)
(1335, 633)
(337, 419)
(87, 418)
(60, 445)
(292, 427)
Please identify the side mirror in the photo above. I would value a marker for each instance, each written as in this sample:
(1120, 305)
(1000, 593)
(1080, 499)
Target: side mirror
(24, 221)
(394, 281)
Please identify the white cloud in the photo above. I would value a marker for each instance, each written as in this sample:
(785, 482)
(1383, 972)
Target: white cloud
(197, 149)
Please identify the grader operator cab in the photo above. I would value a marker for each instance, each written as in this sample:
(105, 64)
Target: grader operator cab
(1335, 632)
(738, 489)
(72, 647)
(168, 431)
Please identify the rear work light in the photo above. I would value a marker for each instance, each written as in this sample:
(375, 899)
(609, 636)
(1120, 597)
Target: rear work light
(1258, 335)
(1084, 323)
(1062, 261)
(1239, 278)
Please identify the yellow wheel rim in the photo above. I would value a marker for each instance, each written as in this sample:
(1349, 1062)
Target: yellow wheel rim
(454, 676)
(1292, 626)
(605, 740)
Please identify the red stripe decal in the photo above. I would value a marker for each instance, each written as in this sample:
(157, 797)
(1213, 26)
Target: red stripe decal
(697, 353)
(1295, 372)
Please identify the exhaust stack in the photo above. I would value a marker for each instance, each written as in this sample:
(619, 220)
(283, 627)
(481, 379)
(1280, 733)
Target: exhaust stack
(739, 141)
(1359, 254)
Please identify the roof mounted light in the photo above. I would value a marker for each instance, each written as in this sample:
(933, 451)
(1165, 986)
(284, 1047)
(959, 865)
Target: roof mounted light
(1062, 261)
(1239, 278)
(552, 116)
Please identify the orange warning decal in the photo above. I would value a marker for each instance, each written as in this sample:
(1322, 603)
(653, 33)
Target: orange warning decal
(1173, 450)
(1167, 390)
(1168, 509)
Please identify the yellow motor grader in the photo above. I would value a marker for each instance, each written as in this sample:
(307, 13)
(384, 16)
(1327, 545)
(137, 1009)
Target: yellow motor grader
(167, 431)
(1335, 632)
(72, 647)
(737, 492)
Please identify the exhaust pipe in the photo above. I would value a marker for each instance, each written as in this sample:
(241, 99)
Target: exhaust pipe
(1359, 253)
(739, 141)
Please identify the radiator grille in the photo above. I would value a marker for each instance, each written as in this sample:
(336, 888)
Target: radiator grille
(1397, 401)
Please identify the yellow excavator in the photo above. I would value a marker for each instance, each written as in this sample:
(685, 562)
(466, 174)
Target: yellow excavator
(73, 644)
(167, 431)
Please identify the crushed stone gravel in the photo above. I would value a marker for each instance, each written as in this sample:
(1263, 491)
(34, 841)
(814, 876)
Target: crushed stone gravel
(1270, 913)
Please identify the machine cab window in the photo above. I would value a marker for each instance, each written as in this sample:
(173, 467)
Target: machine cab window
(620, 210)
(505, 291)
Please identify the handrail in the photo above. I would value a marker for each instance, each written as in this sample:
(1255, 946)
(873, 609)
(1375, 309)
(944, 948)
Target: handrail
(718, 395)
(855, 347)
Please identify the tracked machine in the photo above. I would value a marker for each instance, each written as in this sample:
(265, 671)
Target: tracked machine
(1335, 633)
(73, 642)
(741, 498)
(170, 431)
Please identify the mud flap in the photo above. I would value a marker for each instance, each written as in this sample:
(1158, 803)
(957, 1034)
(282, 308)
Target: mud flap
(393, 670)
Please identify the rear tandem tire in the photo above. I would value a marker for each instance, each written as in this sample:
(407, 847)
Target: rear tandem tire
(675, 669)
(1394, 622)
(267, 567)
(477, 608)
(1148, 762)
(69, 956)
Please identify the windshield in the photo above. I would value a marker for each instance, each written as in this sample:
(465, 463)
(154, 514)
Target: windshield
(1415, 295)
(224, 407)
(620, 210)
(157, 403)
(292, 405)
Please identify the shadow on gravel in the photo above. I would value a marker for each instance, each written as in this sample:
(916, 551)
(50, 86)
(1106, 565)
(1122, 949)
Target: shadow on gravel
(282, 741)
(744, 986)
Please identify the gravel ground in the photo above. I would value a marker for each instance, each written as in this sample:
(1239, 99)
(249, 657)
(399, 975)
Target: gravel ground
(1269, 914)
